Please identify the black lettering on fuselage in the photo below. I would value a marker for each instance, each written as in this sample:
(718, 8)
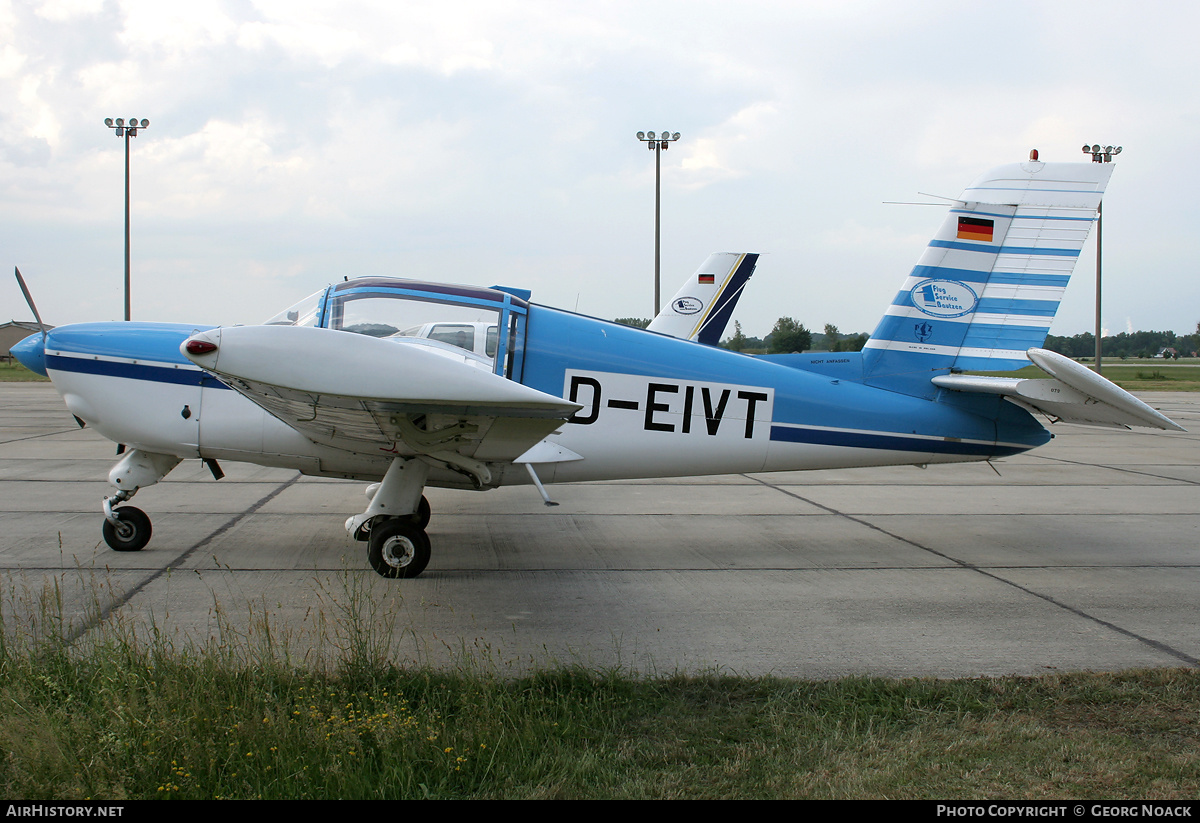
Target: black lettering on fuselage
(652, 407)
(713, 418)
(594, 413)
(688, 393)
(751, 398)
(660, 410)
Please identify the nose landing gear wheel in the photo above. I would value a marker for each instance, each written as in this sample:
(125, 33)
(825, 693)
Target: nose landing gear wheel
(132, 531)
(398, 548)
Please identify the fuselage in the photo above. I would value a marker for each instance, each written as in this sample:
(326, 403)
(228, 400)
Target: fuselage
(652, 406)
(658, 406)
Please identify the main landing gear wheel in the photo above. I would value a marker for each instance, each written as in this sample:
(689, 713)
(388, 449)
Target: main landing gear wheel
(398, 548)
(419, 518)
(422, 514)
(132, 531)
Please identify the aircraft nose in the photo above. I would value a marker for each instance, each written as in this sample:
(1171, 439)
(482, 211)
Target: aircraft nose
(31, 353)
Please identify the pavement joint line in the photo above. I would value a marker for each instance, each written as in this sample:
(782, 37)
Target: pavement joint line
(225, 481)
(201, 543)
(36, 436)
(625, 569)
(1154, 644)
(1118, 469)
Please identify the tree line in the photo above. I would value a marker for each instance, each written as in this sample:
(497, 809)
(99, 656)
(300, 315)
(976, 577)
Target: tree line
(789, 335)
(1127, 344)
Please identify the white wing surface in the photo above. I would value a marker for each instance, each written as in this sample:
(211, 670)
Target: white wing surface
(367, 395)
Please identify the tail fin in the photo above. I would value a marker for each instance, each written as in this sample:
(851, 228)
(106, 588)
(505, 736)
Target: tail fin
(988, 286)
(701, 308)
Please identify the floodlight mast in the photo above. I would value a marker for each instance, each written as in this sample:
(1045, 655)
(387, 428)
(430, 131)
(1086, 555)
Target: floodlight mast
(1100, 155)
(657, 145)
(126, 130)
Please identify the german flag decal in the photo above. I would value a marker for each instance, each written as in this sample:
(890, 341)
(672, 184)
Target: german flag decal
(707, 278)
(973, 228)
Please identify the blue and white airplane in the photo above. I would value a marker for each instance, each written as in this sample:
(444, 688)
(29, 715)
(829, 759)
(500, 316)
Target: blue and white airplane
(407, 384)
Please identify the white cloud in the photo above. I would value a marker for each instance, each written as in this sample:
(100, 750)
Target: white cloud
(174, 30)
(484, 137)
(733, 148)
(61, 10)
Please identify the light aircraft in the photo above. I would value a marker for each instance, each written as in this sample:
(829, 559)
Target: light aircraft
(544, 395)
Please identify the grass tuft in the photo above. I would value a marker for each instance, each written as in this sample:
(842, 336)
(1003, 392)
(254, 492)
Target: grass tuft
(14, 372)
(123, 711)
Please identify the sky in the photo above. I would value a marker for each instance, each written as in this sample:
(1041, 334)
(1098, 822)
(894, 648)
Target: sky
(295, 143)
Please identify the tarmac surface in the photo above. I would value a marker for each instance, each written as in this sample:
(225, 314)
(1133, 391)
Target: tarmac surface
(1081, 555)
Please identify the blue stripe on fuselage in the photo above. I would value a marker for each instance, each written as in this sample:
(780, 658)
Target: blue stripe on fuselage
(890, 442)
(134, 371)
(154, 345)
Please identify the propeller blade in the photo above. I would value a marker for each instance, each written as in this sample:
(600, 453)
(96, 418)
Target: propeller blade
(29, 300)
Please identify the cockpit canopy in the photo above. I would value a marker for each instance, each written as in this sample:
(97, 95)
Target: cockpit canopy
(463, 317)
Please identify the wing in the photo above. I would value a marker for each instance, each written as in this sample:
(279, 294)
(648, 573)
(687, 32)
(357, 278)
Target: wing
(1073, 394)
(364, 394)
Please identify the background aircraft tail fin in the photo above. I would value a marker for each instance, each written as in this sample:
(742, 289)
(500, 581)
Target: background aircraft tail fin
(990, 282)
(701, 308)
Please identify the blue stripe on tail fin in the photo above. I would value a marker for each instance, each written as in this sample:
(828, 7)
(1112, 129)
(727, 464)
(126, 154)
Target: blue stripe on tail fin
(988, 285)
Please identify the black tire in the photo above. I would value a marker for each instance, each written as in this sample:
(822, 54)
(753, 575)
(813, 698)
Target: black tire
(132, 534)
(419, 518)
(422, 515)
(398, 548)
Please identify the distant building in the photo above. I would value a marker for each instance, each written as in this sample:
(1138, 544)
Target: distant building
(13, 332)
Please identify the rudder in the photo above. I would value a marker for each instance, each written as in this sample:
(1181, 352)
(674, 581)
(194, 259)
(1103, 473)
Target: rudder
(990, 282)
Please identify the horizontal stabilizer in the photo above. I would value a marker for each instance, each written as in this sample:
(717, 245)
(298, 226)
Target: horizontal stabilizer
(1073, 394)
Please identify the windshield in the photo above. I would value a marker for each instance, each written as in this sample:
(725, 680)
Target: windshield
(394, 315)
(305, 313)
(486, 323)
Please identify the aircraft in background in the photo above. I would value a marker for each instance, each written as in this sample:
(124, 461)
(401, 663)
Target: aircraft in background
(359, 380)
(701, 309)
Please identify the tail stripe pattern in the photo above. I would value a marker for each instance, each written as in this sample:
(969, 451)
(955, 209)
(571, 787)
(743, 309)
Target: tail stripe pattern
(988, 285)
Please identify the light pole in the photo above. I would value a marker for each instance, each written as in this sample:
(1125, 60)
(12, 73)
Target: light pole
(1099, 155)
(126, 130)
(657, 145)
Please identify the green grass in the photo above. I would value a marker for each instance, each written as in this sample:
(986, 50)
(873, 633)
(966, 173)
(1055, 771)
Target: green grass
(1133, 375)
(16, 373)
(134, 715)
